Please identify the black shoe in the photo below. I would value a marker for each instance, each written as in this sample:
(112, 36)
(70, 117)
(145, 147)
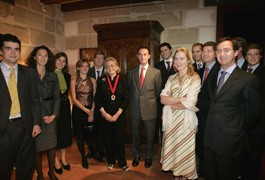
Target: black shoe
(58, 171)
(135, 161)
(84, 163)
(148, 163)
(97, 157)
(66, 167)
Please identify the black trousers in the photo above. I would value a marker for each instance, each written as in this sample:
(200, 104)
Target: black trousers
(219, 167)
(114, 142)
(17, 149)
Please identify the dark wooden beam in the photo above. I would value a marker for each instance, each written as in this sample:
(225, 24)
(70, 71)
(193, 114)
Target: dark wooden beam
(89, 4)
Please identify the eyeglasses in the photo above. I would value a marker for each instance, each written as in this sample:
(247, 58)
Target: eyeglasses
(225, 51)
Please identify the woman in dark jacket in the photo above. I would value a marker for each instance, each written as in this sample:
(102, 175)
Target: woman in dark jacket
(64, 132)
(112, 101)
(40, 59)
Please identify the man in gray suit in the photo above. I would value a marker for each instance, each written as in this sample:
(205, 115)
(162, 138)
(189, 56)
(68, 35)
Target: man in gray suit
(20, 124)
(144, 84)
(234, 110)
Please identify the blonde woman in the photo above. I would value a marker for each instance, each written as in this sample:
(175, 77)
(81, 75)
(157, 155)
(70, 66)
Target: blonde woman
(179, 119)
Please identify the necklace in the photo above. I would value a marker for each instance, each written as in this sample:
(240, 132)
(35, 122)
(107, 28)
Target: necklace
(83, 80)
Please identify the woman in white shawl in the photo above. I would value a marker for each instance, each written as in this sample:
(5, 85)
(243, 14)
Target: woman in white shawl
(179, 119)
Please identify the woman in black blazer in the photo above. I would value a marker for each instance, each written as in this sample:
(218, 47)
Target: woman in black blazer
(112, 101)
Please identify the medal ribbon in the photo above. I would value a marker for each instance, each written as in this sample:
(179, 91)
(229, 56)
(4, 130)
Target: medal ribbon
(113, 89)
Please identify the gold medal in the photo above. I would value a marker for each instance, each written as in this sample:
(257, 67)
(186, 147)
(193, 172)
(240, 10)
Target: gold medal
(113, 97)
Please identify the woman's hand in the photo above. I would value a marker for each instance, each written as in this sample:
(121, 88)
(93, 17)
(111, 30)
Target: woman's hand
(90, 118)
(49, 119)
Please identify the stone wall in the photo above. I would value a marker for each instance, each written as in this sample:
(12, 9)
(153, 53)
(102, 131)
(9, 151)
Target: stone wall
(34, 24)
(185, 22)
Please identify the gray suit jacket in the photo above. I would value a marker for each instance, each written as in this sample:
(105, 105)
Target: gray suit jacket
(28, 99)
(143, 102)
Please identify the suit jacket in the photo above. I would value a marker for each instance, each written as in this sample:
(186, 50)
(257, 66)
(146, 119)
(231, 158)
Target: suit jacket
(144, 101)
(92, 72)
(203, 97)
(245, 65)
(28, 99)
(196, 68)
(164, 72)
(103, 97)
(232, 112)
(260, 73)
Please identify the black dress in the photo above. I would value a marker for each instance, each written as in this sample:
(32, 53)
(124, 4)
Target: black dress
(64, 131)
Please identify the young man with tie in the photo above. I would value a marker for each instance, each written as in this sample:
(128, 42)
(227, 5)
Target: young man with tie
(166, 69)
(234, 109)
(19, 112)
(144, 84)
(206, 73)
(96, 72)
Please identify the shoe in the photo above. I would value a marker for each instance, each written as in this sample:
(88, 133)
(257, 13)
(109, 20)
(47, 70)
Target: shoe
(97, 157)
(110, 166)
(135, 161)
(148, 163)
(58, 171)
(52, 176)
(126, 168)
(84, 163)
(66, 167)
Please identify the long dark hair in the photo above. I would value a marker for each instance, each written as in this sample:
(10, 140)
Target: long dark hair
(31, 61)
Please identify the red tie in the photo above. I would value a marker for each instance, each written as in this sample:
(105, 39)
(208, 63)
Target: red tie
(206, 73)
(142, 77)
(168, 66)
(250, 70)
(98, 74)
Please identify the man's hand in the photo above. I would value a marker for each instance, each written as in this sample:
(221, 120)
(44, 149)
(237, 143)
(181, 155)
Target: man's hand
(36, 130)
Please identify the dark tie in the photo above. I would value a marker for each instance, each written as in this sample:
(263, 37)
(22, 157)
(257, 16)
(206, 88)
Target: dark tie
(98, 73)
(168, 66)
(221, 81)
(142, 77)
(250, 70)
(206, 73)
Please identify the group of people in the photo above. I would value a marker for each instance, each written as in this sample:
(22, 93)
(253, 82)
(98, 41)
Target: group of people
(210, 113)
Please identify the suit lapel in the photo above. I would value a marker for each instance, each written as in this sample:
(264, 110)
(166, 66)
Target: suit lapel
(230, 82)
(136, 77)
(20, 82)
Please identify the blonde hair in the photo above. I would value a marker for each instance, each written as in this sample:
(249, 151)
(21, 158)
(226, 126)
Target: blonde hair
(188, 55)
(113, 60)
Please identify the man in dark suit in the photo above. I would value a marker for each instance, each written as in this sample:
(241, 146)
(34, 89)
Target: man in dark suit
(206, 74)
(251, 165)
(95, 72)
(234, 109)
(17, 130)
(166, 69)
(196, 51)
(144, 84)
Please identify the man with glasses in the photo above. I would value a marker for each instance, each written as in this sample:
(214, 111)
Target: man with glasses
(234, 109)
(206, 73)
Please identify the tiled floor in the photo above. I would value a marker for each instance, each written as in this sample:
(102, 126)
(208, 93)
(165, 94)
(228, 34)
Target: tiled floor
(99, 171)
